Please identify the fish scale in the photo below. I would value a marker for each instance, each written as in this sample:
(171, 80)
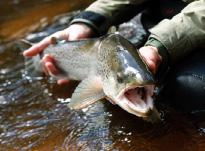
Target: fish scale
(108, 67)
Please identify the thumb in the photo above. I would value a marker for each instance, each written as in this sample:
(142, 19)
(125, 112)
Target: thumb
(151, 57)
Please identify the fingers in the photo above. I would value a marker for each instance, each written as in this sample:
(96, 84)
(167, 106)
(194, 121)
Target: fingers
(62, 81)
(151, 57)
(50, 69)
(74, 32)
(37, 48)
(48, 64)
(79, 31)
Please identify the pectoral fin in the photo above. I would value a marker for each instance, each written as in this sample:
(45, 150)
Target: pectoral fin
(87, 92)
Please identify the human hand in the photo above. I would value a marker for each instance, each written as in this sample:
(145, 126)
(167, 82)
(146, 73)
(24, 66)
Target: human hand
(73, 32)
(151, 57)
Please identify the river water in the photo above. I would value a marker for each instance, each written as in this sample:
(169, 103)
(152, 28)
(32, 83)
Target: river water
(33, 111)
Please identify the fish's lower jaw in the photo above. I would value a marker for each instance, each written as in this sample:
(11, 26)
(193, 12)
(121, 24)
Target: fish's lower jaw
(133, 108)
(148, 114)
(153, 116)
(139, 101)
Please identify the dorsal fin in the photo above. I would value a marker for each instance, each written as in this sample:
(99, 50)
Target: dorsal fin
(112, 30)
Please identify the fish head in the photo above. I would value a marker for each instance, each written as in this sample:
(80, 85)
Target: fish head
(127, 80)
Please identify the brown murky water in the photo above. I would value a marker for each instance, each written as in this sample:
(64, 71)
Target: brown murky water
(33, 112)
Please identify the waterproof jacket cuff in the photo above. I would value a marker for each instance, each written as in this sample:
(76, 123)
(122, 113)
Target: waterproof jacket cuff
(164, 65)
(94, 20)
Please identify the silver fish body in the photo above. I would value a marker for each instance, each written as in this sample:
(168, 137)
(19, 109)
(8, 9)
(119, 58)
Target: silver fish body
(108, 67)
(76, 59)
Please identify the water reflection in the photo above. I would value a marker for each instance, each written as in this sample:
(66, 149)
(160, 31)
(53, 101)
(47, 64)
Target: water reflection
(34, 115)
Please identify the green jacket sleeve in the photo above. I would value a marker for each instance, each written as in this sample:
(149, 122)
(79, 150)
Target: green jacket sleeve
(101, 14)
(183, 32)
(111, 8)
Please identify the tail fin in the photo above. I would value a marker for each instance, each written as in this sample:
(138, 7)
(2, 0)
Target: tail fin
(32, 64)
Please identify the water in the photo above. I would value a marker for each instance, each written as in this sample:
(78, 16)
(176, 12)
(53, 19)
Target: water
(33, 111)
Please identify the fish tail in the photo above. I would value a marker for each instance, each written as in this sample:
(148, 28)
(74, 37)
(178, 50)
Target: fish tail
(33, 66)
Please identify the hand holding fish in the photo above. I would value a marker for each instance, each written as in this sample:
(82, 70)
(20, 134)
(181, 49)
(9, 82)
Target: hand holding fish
(108, 67)
(151, 57)
(81, 31)
(74, 32)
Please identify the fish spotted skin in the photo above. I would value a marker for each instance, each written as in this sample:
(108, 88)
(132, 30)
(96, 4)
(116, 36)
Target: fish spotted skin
(108, 67)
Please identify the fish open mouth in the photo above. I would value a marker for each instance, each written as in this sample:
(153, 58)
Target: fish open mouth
(137, 100)
(136, 96)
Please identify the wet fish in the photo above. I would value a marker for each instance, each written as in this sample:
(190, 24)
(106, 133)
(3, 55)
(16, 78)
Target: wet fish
(108, 67)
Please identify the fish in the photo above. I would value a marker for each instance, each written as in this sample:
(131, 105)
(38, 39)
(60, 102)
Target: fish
(108, 67)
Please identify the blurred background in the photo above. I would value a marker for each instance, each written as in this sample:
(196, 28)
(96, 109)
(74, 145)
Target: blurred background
(18, 17)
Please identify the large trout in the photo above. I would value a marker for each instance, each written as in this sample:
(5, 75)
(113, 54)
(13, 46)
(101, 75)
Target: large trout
(108, 67)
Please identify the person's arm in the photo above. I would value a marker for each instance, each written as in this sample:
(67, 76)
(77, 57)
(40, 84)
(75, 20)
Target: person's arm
(183, 32)
(101, 14)
(173, 39)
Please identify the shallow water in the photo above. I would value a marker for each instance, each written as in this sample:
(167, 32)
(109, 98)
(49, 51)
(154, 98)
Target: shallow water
(33, 111)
